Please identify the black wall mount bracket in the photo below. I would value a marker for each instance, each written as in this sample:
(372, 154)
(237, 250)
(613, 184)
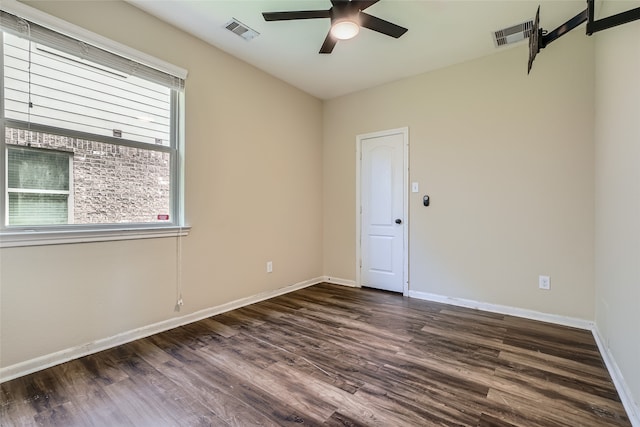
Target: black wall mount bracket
(539, 38)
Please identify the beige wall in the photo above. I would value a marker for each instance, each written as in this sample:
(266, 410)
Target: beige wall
(508, 162)
(253, 180)
(617, 138)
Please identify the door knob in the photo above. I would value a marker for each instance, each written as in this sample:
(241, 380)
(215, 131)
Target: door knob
(398, 221)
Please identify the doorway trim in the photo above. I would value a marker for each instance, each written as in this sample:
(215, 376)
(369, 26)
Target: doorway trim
(404, 131)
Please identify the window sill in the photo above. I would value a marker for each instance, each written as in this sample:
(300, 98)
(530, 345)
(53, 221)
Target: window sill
(10, 239)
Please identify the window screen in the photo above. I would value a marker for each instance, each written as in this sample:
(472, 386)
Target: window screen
(38, 186)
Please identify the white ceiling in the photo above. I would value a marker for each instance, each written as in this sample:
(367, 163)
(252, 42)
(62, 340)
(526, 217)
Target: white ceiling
(441, 33)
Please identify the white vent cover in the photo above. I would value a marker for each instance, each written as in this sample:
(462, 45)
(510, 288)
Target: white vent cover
(240, 29)
(512, 34)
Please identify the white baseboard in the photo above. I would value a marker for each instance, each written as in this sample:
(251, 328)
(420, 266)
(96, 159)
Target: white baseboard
(29, 366)
(338, 281)
(505, 309)
(633, 410)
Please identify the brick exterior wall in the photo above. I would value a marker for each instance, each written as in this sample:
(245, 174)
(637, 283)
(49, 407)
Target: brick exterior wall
(111, 183)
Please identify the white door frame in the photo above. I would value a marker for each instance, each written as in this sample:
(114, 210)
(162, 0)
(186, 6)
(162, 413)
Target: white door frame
(405, 203)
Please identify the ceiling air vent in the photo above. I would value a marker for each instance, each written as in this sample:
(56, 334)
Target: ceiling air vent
(512, 34)
(240, 29)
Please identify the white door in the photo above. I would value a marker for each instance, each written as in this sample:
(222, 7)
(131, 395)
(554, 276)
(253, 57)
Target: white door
(383, 211)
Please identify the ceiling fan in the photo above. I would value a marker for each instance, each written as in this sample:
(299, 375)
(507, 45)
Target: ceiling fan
(347, 17)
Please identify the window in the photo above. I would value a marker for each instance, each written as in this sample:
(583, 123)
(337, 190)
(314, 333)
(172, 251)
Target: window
(90, 139)
(38, 186)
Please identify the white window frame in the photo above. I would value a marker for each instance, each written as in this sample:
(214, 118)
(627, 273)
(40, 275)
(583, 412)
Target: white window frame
(76, 233)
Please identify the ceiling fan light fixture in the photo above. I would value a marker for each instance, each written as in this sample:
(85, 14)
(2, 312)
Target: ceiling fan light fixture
(345, 29)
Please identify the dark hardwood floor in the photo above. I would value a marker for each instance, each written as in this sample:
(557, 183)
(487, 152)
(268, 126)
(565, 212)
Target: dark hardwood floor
(330, 355)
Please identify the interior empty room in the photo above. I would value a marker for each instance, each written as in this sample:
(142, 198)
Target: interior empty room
(243, 300)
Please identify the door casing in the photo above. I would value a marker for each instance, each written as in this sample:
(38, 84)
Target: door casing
(405, 203)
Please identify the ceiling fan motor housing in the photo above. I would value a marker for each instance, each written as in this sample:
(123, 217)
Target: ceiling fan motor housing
(345, 11)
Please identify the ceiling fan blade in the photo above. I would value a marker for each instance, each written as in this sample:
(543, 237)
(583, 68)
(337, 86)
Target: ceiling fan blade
(300, 14)
(381, 26)
(329, 44)
(338, 2)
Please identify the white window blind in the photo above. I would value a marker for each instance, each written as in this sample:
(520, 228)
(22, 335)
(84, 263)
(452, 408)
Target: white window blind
(32, 31)
(45, 86)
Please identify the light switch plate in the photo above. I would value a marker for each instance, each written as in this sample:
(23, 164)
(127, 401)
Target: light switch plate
(414, 187)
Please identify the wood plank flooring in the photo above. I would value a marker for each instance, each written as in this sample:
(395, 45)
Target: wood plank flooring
(334, 356)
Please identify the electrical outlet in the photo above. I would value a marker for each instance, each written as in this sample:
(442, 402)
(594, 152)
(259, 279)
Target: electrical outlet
(269, 267)
(544, 282)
